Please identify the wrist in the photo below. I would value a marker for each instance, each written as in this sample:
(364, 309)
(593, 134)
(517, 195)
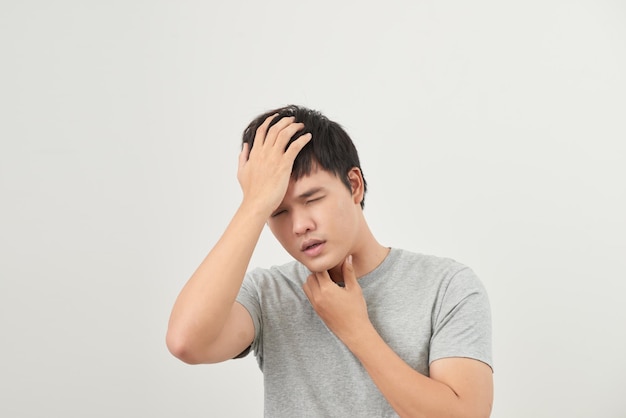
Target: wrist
(361, 338)
(255, 210)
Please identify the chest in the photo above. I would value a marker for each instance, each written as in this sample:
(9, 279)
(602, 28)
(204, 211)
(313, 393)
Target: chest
(295, 336)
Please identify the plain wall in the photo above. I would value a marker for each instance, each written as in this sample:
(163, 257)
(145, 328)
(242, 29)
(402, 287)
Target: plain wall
(490, 132)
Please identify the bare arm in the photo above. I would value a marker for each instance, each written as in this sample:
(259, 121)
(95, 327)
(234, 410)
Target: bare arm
(456, 388)
(206, 324)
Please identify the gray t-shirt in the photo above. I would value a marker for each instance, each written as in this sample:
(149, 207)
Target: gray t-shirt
(424, 307)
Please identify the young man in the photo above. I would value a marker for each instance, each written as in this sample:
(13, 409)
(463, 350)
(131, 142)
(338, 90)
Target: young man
(351, 328)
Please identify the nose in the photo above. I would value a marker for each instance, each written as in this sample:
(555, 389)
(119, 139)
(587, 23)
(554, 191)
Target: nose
(301, 222)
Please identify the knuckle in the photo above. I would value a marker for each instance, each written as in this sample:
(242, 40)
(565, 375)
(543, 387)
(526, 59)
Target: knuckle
(284, 135)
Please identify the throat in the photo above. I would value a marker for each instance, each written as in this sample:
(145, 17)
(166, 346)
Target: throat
(336, 275)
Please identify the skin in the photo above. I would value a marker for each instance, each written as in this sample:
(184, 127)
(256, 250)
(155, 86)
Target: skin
(207, 325)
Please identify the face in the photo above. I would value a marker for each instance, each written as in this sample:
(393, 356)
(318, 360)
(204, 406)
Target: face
(319, 219)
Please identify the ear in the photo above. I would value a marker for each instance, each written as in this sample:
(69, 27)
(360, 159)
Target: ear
(355, 177)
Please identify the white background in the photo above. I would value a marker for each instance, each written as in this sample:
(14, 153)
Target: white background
(491, 132)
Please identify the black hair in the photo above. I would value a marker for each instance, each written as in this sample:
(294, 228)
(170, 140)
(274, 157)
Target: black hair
(330, 147)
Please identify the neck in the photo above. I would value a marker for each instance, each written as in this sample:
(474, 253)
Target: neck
(367, 254)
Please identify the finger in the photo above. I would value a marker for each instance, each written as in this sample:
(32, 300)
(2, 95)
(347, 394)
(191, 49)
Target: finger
(349, 277)
(296, 146)
(276, 129)
(307, 289)
(314, 282)
(311, 286)
(288, 132)
(244, 155)
(261, 131)
(324, 280)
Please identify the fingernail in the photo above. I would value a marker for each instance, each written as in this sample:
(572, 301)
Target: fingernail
(350, 259)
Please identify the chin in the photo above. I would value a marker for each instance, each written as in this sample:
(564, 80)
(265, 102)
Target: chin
(320, 264)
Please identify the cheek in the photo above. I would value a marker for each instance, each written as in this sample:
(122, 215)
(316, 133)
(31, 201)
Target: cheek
(342, 218)
(278, 230)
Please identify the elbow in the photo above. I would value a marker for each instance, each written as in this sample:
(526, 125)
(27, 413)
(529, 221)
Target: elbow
(482, 411)
(486, 413)
(181, 348)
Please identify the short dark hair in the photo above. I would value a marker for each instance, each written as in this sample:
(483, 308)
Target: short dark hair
(330, 147)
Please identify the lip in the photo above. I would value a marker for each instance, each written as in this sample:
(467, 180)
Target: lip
(312, 247)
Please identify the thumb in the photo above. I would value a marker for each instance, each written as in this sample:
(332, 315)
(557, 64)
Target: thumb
(349, 277)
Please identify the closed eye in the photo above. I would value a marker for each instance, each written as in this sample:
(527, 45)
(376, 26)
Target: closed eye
(314, 200)
(280, 212)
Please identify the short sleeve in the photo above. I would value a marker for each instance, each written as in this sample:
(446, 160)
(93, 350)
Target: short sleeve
(249, 297)
(462, 320)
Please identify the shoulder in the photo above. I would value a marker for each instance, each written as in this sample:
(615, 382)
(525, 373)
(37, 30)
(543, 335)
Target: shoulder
(441, 273)
(426, 263)
(292, 272)
(288, 269)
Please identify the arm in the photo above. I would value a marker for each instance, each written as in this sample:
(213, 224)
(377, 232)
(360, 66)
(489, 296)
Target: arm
(206, 324)
(457, 387)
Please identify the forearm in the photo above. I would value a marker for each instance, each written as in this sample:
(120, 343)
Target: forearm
(409, 392)
(205, 301)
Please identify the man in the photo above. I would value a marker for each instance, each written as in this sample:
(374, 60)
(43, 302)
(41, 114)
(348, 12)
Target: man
(351, 328)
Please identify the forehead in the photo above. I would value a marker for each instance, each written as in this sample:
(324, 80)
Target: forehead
(316, 179)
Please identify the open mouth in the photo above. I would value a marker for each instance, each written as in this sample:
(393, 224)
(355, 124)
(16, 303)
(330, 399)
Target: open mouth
(313, 248)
